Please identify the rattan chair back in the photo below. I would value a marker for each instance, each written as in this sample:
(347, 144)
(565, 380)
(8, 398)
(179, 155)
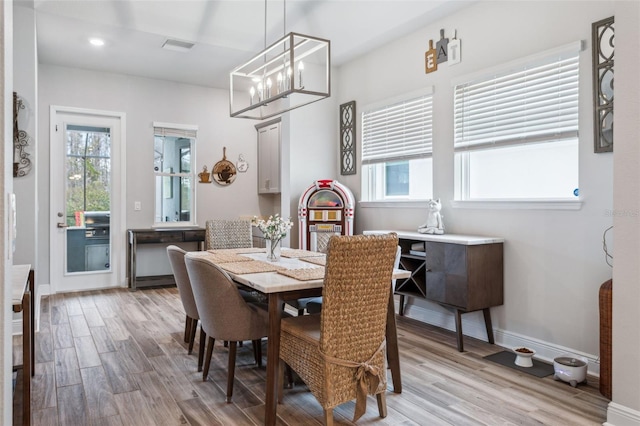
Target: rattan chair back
(340, 354)
(228, 234)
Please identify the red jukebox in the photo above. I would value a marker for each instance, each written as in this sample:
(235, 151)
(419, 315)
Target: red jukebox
(325, 209)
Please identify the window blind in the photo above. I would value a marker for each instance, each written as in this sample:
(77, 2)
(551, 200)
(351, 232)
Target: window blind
(177, 133)
(400, 131)
(538, 102)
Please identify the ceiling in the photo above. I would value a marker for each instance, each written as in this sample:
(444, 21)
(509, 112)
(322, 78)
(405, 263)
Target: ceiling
(226, 33)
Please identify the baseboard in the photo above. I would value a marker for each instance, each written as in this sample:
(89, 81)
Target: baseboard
(473, 326)
(619, 415)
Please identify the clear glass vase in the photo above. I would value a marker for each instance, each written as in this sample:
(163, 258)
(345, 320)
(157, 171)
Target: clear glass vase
(273, 250)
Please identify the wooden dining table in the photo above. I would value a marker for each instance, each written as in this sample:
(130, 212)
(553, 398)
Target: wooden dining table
(279, 288)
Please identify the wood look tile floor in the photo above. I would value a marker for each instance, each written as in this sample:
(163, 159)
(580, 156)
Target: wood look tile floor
(116, 357)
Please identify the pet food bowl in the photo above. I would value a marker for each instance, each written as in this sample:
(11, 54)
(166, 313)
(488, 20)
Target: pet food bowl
(570, 369)
(524, 356)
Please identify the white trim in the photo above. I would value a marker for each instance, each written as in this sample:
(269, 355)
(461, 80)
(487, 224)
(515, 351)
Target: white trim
(473, 326)
(619, 415)
(176, 126)
(421, 204)
(524, 204)
(118, 240)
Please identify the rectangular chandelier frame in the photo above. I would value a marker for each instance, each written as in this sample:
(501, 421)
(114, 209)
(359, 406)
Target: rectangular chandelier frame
(292, 72)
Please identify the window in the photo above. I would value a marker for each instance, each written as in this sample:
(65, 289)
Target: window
(174, 150)
(396, 150)
(88, 168)
(516, 130)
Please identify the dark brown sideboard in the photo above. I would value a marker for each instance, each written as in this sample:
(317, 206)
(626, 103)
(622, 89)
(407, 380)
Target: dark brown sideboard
(459, 272)
(165, 236)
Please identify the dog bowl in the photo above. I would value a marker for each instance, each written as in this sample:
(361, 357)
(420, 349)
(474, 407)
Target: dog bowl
(570, 369)
(523, 356)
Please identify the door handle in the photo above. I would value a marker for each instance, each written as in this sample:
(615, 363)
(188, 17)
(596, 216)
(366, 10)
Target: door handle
(62, 225)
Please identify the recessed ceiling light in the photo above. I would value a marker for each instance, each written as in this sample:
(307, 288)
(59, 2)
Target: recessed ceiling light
(96, 41)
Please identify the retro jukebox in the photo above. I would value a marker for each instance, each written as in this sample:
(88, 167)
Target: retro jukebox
(325, 209)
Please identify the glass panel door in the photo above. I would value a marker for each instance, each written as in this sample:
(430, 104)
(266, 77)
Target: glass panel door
(87, 215)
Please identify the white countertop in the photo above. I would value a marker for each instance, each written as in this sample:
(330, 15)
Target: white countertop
(467, 240)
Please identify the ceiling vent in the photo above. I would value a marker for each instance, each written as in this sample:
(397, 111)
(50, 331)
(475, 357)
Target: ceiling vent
(177, 45)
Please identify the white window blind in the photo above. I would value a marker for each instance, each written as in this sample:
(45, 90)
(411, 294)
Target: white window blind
(400, 131)
(537, 102)
(177, 133)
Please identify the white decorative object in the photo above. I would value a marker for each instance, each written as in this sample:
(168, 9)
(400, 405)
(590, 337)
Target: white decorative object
(454, 50)
(434, 224)
(523, 356)
(570, 369)
(274, 230)
(242, 164)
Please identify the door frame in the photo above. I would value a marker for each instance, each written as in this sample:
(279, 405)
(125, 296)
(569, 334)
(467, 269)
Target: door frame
(118, 196)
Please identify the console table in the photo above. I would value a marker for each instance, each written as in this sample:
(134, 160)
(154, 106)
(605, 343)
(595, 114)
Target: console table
(462, 273)
(23, 299)
(165, 236)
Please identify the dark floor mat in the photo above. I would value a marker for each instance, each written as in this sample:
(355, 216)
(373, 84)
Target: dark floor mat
(508, 358)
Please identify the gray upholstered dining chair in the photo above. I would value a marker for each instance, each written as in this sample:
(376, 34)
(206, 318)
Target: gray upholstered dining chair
(340, 354)
(176, 258)
(224, 314)
(228, 234)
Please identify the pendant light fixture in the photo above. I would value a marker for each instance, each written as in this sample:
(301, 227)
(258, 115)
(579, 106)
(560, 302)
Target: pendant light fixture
(292, 72)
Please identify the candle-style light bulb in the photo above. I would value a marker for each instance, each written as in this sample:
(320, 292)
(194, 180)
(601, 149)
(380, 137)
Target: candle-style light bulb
(300, 68)
(260, 92)
(252, 92)
(269, 84)
(289, 72)
(279, 82)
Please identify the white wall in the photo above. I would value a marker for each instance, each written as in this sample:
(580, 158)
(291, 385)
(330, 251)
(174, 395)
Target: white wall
(6, 183)
(626, 202)
(25, 84)
(554, 263)
(145, 101)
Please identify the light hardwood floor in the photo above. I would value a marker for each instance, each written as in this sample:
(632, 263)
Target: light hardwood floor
(118, 358)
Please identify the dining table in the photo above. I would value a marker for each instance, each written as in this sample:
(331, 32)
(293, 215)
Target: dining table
(296, 274)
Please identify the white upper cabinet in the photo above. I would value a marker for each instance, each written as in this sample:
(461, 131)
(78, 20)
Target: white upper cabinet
(269, 159)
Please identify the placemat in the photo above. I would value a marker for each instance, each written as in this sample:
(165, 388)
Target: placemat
(217, 257)
(306, 274)
(508, 358)
(297, 253)
(251, 267)
(316, 260)
(239, 250)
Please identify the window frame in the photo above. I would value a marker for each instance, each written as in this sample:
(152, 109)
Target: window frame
(191, 132)
(372, 183)
(462, 182)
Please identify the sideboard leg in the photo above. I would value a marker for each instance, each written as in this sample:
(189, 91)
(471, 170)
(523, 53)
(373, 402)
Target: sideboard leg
(487, 324)
(401, 307)
(459, 330)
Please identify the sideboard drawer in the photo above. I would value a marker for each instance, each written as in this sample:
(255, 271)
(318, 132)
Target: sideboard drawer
(158, 237)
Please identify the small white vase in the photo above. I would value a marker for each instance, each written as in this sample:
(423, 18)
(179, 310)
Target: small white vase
(273, 250)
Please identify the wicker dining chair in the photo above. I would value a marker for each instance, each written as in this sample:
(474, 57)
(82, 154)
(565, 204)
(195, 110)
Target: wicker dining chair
(228, 234)
(176, 258)
(340, 354)
(314, 305)
(224, 314)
